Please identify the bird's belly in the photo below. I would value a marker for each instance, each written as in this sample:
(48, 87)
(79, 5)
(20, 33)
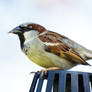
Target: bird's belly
(47, 60)
(39, 58)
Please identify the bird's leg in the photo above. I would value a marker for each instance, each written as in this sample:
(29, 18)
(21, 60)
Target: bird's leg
(44, 71)
(48, 69)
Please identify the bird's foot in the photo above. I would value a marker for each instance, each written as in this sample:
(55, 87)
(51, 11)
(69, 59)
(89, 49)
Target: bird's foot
(44, 71)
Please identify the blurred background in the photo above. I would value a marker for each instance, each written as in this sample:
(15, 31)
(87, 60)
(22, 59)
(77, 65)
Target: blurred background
(72, 18)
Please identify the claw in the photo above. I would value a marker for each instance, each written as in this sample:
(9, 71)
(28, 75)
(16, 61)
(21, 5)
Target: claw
(32, 72)
(43, 72)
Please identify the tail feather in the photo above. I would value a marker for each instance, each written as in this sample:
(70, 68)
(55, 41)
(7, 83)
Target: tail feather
(87, 54)
(86, 64)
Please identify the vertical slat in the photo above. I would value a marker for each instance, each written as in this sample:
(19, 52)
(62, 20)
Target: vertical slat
(55, 84)
(32, 88)
(50, 80)
(62, 82)
(39, 86)
(74, 82)
(90, 75)
(80, 82)
(86, 82)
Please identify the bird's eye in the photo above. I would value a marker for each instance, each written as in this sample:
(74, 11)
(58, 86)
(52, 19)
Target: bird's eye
(24, 28)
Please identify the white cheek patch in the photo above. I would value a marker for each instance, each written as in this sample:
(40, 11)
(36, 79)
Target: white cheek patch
(30, 35)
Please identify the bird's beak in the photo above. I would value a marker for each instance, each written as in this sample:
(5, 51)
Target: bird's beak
(16, 30)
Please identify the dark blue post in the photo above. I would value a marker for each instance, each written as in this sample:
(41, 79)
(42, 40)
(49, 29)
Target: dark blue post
(62, 81)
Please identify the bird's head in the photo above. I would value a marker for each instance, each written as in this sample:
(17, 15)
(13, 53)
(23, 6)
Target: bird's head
(27, 31)
(28, 27)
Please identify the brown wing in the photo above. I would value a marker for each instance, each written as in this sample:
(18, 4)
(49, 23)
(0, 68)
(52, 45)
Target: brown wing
(53, 44)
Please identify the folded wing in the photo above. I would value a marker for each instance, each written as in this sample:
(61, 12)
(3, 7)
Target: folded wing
(53, 43)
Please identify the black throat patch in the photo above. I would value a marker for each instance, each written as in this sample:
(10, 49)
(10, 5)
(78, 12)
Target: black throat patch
(22, 39)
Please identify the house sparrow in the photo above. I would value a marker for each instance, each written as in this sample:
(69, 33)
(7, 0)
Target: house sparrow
(50, 49)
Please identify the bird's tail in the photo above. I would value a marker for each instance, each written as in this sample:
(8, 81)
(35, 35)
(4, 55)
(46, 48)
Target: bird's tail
(88, 55)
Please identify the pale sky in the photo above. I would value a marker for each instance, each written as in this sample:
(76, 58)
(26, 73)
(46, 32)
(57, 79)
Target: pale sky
(72, 18)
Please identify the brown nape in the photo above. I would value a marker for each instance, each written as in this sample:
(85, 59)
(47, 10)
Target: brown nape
(37, 27)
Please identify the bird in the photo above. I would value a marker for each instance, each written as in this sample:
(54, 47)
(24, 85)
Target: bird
(49, 49)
